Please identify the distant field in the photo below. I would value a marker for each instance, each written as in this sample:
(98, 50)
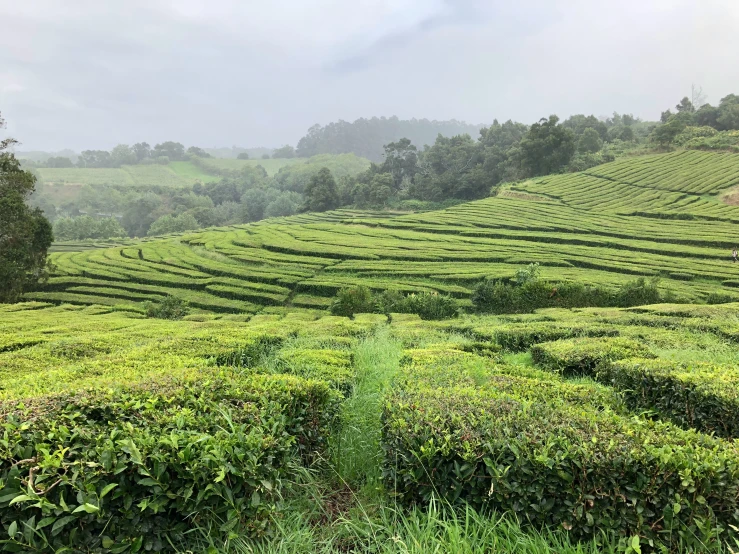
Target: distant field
(175, 174)
(271, 166)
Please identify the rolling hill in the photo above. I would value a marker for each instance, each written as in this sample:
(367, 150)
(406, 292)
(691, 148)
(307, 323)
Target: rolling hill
(650, 216)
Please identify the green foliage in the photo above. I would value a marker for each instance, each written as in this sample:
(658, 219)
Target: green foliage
(516, 445)
(86, 227)
(527, 292)
(25, 234)
(173, 224)
(138, 467)
(321, 193)
(695, 395)
(581, 356)
(546, 148)
(170, 307)
(354, 300)
(589, 142)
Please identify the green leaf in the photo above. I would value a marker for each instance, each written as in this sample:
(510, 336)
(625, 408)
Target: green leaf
(676, 508)
(20, 498)
(136, 545)
(108, 542)
(635, 544)
(87, 507)
(60, 523)
(45, 522)
(107, 489)
(12, 529)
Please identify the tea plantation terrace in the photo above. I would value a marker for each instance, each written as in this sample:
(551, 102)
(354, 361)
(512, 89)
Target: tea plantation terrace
(657, 215)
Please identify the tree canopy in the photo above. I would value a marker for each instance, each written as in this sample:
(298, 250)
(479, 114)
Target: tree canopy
(25, 234)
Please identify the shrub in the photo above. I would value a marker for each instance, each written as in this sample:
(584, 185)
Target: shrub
(719, 298)
(354, 300)
(134, 468)
(430, 305)
(557, 464)
(581, 356)
(170, 307)
(526, 274)
(517, 338)
(696, 395)
(638, 292)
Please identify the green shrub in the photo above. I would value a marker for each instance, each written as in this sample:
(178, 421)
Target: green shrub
(719, 298)
(581, 356)
(701, 396)
(558, 464)
(170, 307)
(252, 354)
(430, 305)
(131, 469)
(517, 338)
(639, 292)
(354, 300)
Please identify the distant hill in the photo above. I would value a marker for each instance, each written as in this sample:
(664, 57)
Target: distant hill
(366, 137)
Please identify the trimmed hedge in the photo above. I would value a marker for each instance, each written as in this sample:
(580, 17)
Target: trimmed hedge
(557, 464)
(581, 356)
(122, 470)
(518, 338)
(696, 395)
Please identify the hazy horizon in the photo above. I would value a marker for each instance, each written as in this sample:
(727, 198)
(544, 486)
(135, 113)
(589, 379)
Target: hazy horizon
(89, 76)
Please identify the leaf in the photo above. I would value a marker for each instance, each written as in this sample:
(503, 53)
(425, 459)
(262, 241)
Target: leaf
(255, 499)
(45, 522)
(12, 529)
(676, 508)
(136, 545)
(20, 498)
(60, 523)
(635, 544)
(107, 489)
(87, 507)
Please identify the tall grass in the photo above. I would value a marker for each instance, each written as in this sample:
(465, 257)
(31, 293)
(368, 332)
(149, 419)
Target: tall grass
(356, 454)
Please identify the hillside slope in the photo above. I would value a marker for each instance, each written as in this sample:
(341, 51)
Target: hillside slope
(653, 215)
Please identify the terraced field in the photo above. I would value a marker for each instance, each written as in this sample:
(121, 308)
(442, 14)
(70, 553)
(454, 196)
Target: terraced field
(175, 174)
(585, 227)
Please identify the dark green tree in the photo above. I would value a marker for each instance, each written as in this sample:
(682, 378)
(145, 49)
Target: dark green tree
(197, 151)
(286, 151)
(401, 161)
(243, 156)
(590, 141)
(321, 193)
(25, 234)
(170, 149)
(546, 148)
(142, 150)
(685, 105)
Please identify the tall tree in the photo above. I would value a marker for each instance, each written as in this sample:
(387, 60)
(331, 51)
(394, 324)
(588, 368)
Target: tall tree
(321, 193)
(25, 234)
(401, 161)
(546, 148)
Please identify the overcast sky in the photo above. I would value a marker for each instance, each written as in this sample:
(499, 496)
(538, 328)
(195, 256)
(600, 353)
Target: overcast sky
(94, 73)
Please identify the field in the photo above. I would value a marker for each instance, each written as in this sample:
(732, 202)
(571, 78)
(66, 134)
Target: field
(175, 174)
(261, 423)
(271, 166)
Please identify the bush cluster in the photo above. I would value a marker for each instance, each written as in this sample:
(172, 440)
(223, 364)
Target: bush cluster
(133, 469)
(695, 395)
(428, 305)
(170, 307)
(500, 297)
(581, 356)
(522, 446)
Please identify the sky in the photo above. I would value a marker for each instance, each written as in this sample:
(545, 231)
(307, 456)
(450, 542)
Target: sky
(91, 74)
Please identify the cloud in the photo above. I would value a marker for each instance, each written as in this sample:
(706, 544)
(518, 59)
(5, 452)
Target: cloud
(89, 74)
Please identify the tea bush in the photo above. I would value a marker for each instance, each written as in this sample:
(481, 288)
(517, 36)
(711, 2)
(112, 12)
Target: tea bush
(170, 307)
(581, 356)
(696, 395)
(131, 469)
(354, 300)
(556, 463)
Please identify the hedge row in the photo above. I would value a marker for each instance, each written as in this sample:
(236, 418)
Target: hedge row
(136, 468)
(556, 462)
(581, 356)
(696, 395)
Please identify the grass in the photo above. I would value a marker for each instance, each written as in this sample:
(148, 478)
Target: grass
(174, 174)
(271, 166)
